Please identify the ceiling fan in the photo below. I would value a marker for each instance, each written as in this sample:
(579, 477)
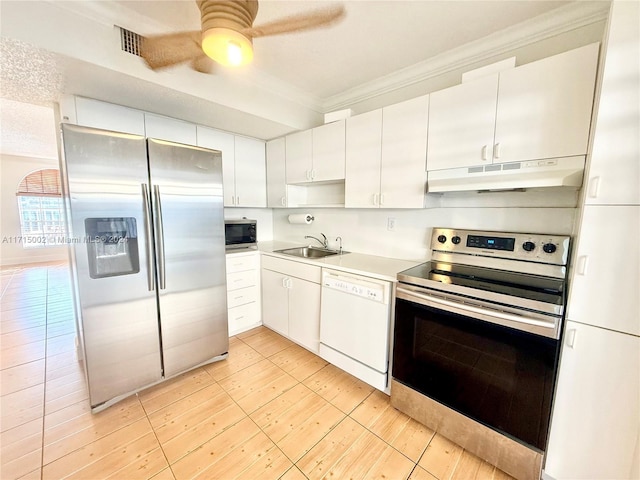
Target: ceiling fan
(227, 35)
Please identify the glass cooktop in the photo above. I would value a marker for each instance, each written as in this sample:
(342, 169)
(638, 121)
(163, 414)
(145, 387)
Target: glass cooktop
(478, 279)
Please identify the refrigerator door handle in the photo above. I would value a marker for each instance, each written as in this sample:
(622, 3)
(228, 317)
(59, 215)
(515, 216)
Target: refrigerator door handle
(147, 232)
(160, 238)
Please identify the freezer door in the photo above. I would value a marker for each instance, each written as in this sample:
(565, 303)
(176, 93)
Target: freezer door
(106, 178)
(186, 185)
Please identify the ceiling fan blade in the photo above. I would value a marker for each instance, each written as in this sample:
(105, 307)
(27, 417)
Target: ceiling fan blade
(166, 50)
(296, 23)
(203, 64)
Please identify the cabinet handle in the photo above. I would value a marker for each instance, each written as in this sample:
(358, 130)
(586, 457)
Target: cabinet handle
(483, 153)
(284, 282)
(289, 283)
(594, 187)
(496, 150)
(583, 264)
(313, 174)
(381, 199)
(238, 201)
(308, 172)
(571, 338)
(283, 202)
(375, 199)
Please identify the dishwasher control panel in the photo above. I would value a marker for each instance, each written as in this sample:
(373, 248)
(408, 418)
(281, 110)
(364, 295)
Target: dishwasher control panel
(354, 286)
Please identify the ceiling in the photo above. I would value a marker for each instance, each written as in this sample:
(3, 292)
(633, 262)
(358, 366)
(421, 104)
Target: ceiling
(379, 46)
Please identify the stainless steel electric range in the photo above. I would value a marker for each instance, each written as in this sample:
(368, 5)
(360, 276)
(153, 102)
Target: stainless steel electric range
(476, 341)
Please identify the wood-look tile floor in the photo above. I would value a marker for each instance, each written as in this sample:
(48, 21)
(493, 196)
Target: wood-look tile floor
(272, 410)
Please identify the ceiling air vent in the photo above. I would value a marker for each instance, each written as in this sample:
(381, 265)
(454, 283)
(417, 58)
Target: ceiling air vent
(130, 41)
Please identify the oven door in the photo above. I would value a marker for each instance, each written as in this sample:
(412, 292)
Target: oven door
(499, 376)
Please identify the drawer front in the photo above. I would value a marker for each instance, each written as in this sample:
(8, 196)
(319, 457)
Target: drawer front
(242, 262)
(242, 296)
(241, 280)
(243, 317)
(291, 268)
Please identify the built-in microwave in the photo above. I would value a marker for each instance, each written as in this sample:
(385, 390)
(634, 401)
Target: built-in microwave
(240, 233)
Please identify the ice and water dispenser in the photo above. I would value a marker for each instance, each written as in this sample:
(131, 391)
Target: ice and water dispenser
(112, 246)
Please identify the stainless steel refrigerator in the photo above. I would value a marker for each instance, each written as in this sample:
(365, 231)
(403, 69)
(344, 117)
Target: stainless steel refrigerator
(146, 229)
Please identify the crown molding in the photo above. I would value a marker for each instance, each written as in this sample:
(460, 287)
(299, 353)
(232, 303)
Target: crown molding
(553, 23)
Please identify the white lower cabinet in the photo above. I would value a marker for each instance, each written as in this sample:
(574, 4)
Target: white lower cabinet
(595, 428)
(291, 300)
(243, 291)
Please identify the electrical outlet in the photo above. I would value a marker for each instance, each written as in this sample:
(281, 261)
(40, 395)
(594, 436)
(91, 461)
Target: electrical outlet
(391, 224)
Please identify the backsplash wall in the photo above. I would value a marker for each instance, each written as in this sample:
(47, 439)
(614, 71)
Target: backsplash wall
(366, 230)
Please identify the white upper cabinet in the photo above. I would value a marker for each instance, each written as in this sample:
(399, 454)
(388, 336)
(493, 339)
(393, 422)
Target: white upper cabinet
(328, 151)
(404, 149)
(225, 143)
(605, 291)
(535, 111)
(316, 155)
(251, 179)
(243, 166)
(614, 173)
(385, 156)
(276, 174)
(298, 157)
(544, 107)
(106, 116)
(462, 124)
(363, 160)
(166, 128)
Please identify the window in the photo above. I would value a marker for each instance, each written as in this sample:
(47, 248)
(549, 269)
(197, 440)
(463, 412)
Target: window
(41, 209)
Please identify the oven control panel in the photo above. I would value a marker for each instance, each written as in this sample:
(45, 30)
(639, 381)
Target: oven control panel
(534, 247)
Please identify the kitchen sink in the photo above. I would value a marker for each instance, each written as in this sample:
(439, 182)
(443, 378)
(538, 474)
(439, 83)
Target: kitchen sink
(309, 252)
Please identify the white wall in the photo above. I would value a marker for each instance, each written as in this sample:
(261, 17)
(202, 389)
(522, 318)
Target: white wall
(12, 170)
(365, 230)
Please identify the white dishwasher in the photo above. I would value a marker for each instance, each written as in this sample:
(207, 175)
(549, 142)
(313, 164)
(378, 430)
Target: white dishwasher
(355, 325)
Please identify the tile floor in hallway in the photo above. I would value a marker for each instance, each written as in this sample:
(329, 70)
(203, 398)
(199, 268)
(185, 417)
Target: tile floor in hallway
(272, 410)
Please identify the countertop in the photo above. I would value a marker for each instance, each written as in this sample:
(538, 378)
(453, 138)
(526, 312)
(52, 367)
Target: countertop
(382, 268)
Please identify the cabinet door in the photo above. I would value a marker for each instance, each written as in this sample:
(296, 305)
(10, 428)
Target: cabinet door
(615, 169)
(544, 107)
(363, 160)
(218, 140)
(328, 150)
(606, 281)
(251, 172)
(461, 124)
(304, 313)
(594, 425)
(298, 157)
(166, 128)
(276, 174)
(403, 176)
(107, 116)
(275, 301)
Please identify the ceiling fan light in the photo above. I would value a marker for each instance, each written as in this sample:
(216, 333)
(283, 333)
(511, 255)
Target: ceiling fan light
(227, 47)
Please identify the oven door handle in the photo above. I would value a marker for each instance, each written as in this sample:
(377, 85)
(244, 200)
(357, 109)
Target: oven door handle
(456, 307)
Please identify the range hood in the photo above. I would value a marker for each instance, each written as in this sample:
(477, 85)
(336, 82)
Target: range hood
(551, 172)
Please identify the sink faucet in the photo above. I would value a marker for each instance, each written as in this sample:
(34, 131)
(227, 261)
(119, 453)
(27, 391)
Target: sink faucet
(340, 240)
(322, 242)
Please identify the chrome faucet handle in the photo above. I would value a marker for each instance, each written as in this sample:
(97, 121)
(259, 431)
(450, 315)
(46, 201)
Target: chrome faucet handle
(340, 240)
(325, 243)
